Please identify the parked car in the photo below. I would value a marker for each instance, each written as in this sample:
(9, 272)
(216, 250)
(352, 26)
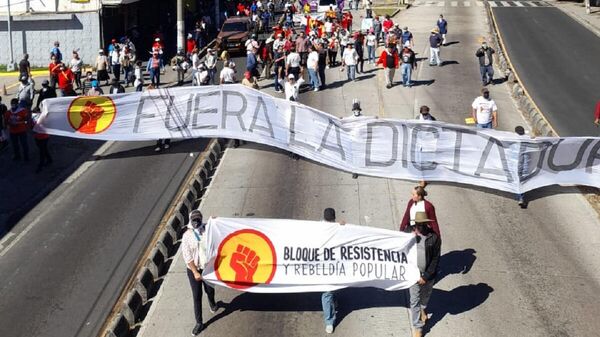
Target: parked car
(234, 34)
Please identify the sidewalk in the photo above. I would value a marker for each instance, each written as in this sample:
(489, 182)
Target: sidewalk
(22, 188)
(576, 10)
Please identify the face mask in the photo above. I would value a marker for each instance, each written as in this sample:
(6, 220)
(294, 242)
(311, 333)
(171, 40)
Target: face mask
(486, 95)
(196, 223)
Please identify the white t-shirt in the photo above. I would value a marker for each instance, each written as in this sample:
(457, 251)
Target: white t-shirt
(484, 108)
(419, 207)
(371, 40)
(328, 27)
(227, 75)
(350, 56)
(115, 57)
(313, 60)
(292, 90)
(76, 65)
(293, 60)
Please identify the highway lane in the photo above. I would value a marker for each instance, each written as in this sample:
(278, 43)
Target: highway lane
(557, 60)
(506, 271)
(80, 244)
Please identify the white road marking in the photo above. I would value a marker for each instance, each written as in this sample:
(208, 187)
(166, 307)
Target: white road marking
(518, 3)
(429, 3)
(454, 3)
(505, 3)
(492, 4)
(441, 4)
(479, 3)
(467, 3)
(532, 4)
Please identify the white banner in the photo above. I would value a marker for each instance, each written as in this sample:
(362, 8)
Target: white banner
(389, 148)
(286, 256)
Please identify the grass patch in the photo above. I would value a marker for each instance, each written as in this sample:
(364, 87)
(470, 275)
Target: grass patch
(3, 69)
(383, 11)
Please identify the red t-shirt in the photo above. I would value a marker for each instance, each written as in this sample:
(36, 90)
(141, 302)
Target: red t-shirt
(54, 69)
(65, 80)
(16, 121)
(191, 45)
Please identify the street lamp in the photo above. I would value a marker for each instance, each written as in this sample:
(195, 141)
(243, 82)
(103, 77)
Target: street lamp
(11, 65)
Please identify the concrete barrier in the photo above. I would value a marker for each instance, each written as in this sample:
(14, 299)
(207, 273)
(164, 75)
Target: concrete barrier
(131, 306)
(165, 245)
(118, 327)
(144, 283)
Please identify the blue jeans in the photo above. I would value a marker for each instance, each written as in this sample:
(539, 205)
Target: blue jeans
(487, 74)
(313, 78)
(328, 302)
(485, 126)
(278, 85)
(406, 74)
(351, 70)
(155, 76)
(371, 53)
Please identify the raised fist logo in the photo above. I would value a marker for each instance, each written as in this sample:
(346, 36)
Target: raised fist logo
(90, 114)
(244, 262)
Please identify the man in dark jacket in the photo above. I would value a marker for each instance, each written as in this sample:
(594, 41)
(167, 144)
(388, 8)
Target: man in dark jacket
(486, 62)
(46, 92)
(115, 87)
(428, 256)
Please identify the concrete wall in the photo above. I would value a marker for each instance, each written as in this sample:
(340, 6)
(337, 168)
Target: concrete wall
(18, 7)
(35, 35)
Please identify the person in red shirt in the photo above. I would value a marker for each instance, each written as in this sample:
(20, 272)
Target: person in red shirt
(17, 119)
(597, 114)
(389, 59)
(190, 45)
(417, 203)
(41, 141)
(65, 81)
(53, 69)
(387, 24)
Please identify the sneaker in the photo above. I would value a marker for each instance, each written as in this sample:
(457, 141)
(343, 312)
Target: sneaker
(316, 89)
(354, 176)
(167, 146)
(389, 86)
(329, 328)
(213, 307)
(157, 149)
(197, 329)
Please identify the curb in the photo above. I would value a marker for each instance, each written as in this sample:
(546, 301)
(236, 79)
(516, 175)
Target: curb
(529, 109)
(148, 278)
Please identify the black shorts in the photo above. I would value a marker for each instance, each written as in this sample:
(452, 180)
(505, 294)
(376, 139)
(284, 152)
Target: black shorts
(303, 58)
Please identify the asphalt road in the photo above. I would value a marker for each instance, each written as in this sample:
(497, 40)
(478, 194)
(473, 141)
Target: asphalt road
(78, 247)
(557, 60)
(505, 271)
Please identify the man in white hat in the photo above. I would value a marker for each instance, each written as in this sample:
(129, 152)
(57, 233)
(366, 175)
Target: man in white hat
(292, 87)
(428, 256)
(435, 41)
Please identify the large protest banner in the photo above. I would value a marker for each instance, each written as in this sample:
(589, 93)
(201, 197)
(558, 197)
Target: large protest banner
(400, 149)
(284, 256)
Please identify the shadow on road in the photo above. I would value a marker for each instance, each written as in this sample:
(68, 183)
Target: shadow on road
(456, 301)
(456, 262)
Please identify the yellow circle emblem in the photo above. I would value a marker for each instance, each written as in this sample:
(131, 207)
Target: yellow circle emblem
(91, 115)
(245, 258)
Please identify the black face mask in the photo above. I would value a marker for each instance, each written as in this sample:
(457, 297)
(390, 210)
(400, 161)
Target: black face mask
(423, 228)
(196, 223)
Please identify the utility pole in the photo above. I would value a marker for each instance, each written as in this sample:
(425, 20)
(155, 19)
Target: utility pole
(180, 26)
(11, 65)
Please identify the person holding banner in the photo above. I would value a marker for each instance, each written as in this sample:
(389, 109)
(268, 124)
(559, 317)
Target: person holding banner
(193, 251)
(417, 203)
(429, 247)
(328, 298)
